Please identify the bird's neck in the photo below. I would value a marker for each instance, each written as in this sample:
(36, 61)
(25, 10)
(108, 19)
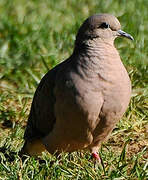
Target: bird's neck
(96, 47)
(95, 53)
(99, 61)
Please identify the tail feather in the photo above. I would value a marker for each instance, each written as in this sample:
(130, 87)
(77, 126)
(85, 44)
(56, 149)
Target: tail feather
(33, 148)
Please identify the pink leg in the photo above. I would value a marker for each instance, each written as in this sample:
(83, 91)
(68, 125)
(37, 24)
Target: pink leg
(96, 156)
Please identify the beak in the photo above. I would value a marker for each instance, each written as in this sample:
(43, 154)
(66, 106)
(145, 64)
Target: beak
(124, 34)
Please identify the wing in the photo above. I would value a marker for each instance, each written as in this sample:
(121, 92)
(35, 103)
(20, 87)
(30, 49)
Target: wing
(42, 118)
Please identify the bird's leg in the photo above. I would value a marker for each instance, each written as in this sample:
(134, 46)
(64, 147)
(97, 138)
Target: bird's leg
(96, 159)
(94, 151)
(96, 156)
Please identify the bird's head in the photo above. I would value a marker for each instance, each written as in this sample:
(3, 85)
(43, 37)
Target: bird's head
(103, 27)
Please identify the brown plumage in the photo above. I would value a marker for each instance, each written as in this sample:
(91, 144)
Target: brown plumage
(78, 103)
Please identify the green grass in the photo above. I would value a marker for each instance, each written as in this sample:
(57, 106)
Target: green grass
(34, 37)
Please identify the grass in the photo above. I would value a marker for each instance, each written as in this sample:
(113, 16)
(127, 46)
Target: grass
(34, 37)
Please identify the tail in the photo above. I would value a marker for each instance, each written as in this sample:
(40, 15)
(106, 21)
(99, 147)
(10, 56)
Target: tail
(33, 145)
(33, 148)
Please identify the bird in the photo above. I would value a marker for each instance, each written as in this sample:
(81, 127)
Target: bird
(78, 103)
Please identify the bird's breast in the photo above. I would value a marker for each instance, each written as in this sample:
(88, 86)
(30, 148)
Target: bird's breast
(81, 95)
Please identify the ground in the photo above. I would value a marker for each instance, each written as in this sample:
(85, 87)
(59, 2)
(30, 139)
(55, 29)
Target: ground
(34, 37)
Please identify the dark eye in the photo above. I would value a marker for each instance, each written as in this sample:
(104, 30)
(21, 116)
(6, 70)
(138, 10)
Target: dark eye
(104, 25)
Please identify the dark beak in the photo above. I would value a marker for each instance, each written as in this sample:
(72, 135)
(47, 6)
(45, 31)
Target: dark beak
(124, 34)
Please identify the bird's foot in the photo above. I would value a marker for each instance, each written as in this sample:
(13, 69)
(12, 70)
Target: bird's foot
(96, 156)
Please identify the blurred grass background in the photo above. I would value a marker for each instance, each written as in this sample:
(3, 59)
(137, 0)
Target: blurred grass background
(34, 37)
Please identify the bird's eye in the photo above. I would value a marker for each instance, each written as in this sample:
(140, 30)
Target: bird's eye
(104, 25)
